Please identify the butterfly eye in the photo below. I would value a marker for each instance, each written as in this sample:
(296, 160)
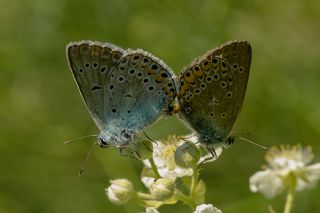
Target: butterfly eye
(103, 144)
(229, 142)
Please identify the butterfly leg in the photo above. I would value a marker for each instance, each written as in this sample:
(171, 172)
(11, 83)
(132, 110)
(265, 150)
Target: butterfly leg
(130, 152)
(150, 139)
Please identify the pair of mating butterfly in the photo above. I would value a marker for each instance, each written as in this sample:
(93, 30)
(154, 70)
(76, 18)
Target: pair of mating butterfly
(127, 90)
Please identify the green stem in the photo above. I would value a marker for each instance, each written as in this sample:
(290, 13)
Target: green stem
(186, 199)
(142, 199)
(194, 182)
(289, 200)
(144, 196)
(154, 168)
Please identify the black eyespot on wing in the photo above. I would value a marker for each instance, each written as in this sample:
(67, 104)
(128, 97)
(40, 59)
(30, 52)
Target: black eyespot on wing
(132, 71)
(235, 66)
(214, 60)
(95, 88)
(154, 67)
(164, 75)
(103, 69)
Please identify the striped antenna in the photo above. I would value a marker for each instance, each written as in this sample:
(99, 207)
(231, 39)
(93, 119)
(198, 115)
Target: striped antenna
(258, 145)
(78, 139)
(87, 158)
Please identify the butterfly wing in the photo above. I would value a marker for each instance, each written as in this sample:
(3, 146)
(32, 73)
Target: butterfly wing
(90, 63)
(139, 90)
(212, 90)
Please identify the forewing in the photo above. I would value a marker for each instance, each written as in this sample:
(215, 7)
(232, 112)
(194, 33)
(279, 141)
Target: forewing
(212, 89)
(90, 63)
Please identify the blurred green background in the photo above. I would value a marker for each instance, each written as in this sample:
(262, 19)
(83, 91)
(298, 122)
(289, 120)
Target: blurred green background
(40, 106)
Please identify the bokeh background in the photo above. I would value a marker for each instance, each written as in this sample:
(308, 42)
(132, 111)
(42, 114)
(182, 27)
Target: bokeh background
(40, 106)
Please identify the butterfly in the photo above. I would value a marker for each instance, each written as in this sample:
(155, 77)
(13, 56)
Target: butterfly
(212, 90)
(125, 91)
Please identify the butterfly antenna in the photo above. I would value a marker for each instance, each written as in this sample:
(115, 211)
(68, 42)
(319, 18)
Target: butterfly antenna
(78, 139)
(87, 158)
(258, 145)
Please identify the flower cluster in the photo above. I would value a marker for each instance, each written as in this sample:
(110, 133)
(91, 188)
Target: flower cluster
(170, 174)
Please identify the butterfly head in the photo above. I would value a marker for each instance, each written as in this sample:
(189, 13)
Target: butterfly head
(102, 143)
(228, 142)
(115, 137)
(217, 142)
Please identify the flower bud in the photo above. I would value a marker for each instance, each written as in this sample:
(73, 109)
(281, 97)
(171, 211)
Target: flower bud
(144, 150)
(187, 155)
(207, 208)
(120, 191)
(162, 189)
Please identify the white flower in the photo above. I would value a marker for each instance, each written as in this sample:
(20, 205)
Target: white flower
(151, 210)
(120, 191)
(287, 167)
(163, 156)
(207, 208)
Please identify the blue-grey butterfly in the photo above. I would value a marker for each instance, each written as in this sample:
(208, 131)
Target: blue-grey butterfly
(212, 90)
(124, 90)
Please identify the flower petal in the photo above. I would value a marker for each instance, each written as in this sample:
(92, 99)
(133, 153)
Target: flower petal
(207, 208)
(266, 182)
